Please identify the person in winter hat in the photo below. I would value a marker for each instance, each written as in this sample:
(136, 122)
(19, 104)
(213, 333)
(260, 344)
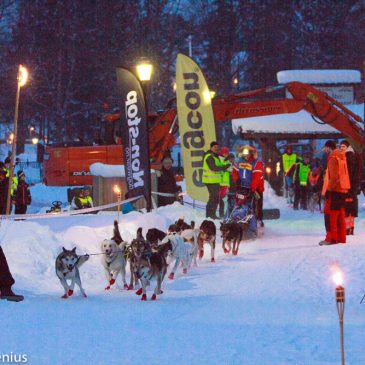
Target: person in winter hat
(336, 185)
(354, 166)
(21, 197)
(225, 179)
(212, 174)
(166, 183)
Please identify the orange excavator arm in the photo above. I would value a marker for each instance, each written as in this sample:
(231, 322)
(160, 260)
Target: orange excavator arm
(314, 101)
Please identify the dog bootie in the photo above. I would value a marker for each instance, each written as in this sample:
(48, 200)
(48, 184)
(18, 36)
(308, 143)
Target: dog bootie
(126, 286)
(154, 296)
(171, 276)
(70, 292)
(185, 271)
(144, 297)
(212, 259)
(201, 254)
(8, 294)
(139, 291)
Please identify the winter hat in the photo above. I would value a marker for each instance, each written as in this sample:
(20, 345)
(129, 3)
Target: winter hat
(331, 144)
(167, 160)
(346, 143)
(224, 151)
(7, 160)
(20, 173)
(214, 143)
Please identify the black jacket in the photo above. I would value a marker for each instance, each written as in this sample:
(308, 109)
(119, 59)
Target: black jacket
(22, 194)
(167, 184)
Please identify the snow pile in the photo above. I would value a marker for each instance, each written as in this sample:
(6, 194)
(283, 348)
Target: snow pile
(271, 304)
(104, 170)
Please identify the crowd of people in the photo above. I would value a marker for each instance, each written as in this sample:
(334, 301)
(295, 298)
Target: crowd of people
(235, 185)
(20, 196)
(336, 179)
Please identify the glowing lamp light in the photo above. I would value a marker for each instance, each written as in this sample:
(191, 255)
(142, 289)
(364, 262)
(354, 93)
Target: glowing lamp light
(268, 170)
(31, 129)
(35, 140)
(245, 151)
(11, 137)
(22, 75)
(212, 94)
(235, 80)
(338, 278)
(144, 71)
(174, 87)
(116, 189)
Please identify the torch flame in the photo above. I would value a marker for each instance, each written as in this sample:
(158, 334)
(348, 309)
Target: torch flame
(338, 278)
(116, 189)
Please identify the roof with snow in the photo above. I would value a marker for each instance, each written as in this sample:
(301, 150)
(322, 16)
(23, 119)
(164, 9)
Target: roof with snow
(319, 76)
(301, 122)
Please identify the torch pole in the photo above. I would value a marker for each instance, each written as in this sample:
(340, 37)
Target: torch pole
(11, 167)
(118, 209)
(340, 304)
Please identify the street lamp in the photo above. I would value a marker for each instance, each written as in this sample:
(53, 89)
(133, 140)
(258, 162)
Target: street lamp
(118, 192)
(144, 73)
(340, 304)
(22, 80)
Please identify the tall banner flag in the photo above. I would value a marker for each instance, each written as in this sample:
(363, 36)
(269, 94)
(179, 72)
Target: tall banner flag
(134, 133)
(196, 123)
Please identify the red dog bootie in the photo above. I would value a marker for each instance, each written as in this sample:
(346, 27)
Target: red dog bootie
(70, 292)
(144, 297)
(212, 259)
(64, 296)
(154, 296)
(201, 254)
(171, 276)
(130, 287)
(126, 286)
(139, 291)
(185, 270)
(111, 281)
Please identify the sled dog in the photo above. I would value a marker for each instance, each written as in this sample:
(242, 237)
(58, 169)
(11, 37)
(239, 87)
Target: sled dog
(113, 258)
(67, 268)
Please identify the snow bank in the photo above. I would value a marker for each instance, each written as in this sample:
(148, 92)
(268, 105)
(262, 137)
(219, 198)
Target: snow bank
(103, 170)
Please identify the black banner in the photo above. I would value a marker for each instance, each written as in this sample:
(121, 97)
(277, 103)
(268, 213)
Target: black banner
(134, 133)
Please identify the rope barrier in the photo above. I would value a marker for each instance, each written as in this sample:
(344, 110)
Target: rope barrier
(69, 213)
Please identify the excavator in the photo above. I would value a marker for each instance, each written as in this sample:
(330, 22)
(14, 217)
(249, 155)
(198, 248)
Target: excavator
(70, 165)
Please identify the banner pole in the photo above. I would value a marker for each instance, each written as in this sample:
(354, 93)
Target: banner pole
(148, 193)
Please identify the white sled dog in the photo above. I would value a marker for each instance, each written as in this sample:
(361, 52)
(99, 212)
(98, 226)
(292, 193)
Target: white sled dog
(67, 268)
(113, 258)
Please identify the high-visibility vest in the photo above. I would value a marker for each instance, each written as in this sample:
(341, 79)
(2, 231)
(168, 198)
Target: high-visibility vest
(209, 176)
(14, 185)
(86, 201)
(7, 171)
(303, 174)
(289, 161)
(313, 180)
(225, 175)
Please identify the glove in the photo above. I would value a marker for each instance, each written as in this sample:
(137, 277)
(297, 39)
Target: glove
(158, 173)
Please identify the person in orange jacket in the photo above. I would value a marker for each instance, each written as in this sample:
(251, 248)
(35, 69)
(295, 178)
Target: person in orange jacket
(336, 185)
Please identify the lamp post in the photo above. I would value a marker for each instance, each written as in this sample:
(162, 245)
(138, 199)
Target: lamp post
(118, 192)
(340, 304)
(22, 80)
(144, 73)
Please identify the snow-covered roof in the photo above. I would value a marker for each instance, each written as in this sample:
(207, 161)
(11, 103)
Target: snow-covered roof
(103, 170)
(319, 76)
(301, 122)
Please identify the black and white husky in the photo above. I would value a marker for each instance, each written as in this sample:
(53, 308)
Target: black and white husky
(67, 268)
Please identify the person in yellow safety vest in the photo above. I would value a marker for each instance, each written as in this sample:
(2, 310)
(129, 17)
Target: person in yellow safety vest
(212, 168)
(226, 159)
(288, 160)
(300, 181)
(84, 200)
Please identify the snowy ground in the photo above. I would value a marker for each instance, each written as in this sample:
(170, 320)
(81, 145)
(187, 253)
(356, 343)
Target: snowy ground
(272, 304)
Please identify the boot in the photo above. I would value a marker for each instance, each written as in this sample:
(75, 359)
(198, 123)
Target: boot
(8, 294)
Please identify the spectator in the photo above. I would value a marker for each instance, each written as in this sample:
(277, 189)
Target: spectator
(166, 183)
(225, 179)
(288, 160)
(300, 181)
(351, 206)
(4, 183)
(234, 178)
(212, 168)
(21, 197)
(336, 185)
(83, 200)
(127, 207)
(7, 281)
